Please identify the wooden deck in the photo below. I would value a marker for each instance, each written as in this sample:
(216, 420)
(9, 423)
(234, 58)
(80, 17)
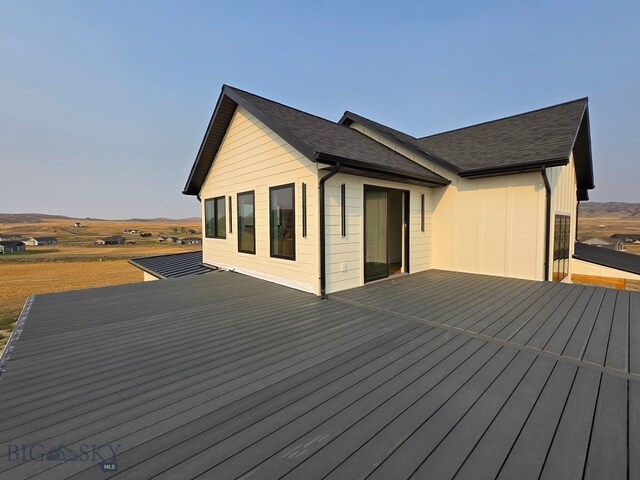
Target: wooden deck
(433, 375)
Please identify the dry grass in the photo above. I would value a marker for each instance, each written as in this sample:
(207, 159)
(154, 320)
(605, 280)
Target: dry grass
(18, 280)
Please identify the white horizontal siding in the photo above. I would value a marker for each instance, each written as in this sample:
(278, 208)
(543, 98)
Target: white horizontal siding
(253, 157)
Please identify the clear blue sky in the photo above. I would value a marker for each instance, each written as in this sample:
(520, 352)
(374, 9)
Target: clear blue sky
(103, 104)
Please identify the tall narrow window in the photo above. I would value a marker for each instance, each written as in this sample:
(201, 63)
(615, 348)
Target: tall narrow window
(343, 209)
(246, 222)
(215, 218)
(561, 246)
(282, 222)
(230, 216)
(304, 210)
(422, 212)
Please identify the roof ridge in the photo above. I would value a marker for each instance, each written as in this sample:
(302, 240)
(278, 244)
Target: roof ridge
(504, 118)
(284, 105)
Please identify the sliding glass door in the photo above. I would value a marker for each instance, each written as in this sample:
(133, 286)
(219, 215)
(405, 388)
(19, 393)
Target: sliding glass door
(376, 261)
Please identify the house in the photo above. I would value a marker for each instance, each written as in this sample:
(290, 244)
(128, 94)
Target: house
(325, 206)
(35, 241)
(436, 374)
(627, 237)
(77, 224)
(112, 240)
(11, 246)
(191, 241)
(610, 243)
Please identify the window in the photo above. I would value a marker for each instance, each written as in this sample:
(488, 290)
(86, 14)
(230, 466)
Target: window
(214, 218)
(246, 223)
(343, 210)
(561, 235)
(304, 210)
(282, 222)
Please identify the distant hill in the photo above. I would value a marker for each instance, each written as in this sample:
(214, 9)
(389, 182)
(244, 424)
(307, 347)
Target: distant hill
(610, 209)
(7, 218)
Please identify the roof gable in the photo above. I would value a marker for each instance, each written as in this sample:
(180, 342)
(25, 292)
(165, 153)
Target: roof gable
(523, 142)
(318, 139)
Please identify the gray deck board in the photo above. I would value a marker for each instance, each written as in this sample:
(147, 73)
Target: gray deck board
(568, 451)
(433, 375)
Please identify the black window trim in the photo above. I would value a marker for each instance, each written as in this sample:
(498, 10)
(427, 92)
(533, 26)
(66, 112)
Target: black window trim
(215, 215)
(253, 194)
(293, 206)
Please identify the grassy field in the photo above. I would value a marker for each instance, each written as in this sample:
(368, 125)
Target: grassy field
(18, 280)
(76, 262)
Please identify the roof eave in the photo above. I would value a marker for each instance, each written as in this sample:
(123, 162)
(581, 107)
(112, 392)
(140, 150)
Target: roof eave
(333, 159)
(348, 118)
(514, 169)
(228, 92)
(147, 270)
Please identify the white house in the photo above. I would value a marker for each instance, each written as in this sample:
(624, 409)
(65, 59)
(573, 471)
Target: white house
(323, 206)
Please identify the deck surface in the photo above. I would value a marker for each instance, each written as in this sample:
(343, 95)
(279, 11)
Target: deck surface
(434, 375)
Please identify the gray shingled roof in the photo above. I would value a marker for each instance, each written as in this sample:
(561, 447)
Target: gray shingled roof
(529, 140)
(544, 135)
(317, 138)
(607, 257)
(432, 375)
(174, 265)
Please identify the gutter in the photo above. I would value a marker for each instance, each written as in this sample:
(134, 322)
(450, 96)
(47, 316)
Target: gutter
(547, 228)
(323, 264)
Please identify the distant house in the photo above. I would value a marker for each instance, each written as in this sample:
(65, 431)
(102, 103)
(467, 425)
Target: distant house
(627, 237)
(112, 240)
(191, 241)
(610, 243)
(131, 231)
(77, 224)
(11, 246)
(11, 239)
(162, 238)
(35, 241)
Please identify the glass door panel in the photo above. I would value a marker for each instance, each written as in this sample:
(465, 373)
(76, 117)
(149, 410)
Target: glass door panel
(376, 264)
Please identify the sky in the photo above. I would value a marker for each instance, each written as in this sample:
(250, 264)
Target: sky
(104, 103)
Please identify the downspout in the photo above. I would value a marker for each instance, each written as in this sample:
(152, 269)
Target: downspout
(547, 229)
(577, 217)
(323, 265)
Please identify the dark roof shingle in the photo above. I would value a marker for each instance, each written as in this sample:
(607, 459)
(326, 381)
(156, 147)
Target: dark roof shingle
(315, 137)
(539, 136)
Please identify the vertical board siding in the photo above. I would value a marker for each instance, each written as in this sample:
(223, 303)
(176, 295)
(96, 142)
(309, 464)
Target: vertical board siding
(564, 201)
(491, 225)
(253, 157)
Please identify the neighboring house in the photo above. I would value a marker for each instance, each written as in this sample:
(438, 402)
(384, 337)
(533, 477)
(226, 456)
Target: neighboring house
(113, 240)
(35, 241)
(77, 224)
(191, 241)
(593, 264)
(627, 237)
(323, 206)
(610, 243)
(11, 246)
(11, 239)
